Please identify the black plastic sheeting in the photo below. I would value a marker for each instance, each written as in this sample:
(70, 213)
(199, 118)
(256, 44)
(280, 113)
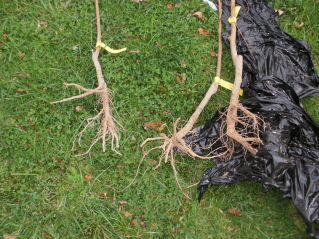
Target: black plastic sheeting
(278, 71)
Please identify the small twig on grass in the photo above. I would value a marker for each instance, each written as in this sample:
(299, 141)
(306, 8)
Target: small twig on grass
(176, 140)
(107, 123)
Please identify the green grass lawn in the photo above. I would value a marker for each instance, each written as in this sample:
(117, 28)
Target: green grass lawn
(47, 192)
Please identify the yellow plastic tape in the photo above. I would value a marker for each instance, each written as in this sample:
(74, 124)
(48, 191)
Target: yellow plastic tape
(101, 44)
(234, 19)
(227, 85)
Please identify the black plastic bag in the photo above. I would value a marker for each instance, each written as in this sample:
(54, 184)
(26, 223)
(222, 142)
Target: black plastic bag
(278, 72)
(268, 50)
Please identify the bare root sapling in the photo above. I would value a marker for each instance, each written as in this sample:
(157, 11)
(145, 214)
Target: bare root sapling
(107, 125)
(247, 119)
(176, 141)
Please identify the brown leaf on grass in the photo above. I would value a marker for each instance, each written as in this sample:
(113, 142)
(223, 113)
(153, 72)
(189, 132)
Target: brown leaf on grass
(299, 24)
(133, 138)
(183, 75)
(20, 55)
(24, 128)
(4, 36)
(79, 108)
(47, 236)
(135, 222)
(143, 226)
(64, 6)
(293, 8)
(176, 230)
(154, 125)
(23, 91)
(280, 12)
(42, 23)
(214, 54)
(57, 159)
(153, 161)
(87, 178)
(184, 64)
(75, 47)
(203, 31)
(9, 237)
(127, 214)
(137, 51)
(181, 78)
(101, 194)
(198, 15)
(234, 211)
(122, 202)
(170, 6)
(158, 45)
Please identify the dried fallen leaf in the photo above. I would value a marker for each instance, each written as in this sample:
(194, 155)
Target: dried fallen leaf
(170, 6)
(280, 12)
(137, 51)
(75, 47)
(133, 138)
(214, 54)
(79, 108)
(64, 6)
(234, 211)
(21, 127)
(143, 226)
(9, 237)
(203, 31)
(299, 24)
(184, 64)
(153, 161)
(293, 8)
(42, 23)
(181, 78)
(198, 14)
(154, 125)
(23, 91)
(127, 214)
(160, 128)
(47, 236)
(135, 222)
(101, 194)
(87, 178)
(20, 55)
(176, 230)
(122, 202)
